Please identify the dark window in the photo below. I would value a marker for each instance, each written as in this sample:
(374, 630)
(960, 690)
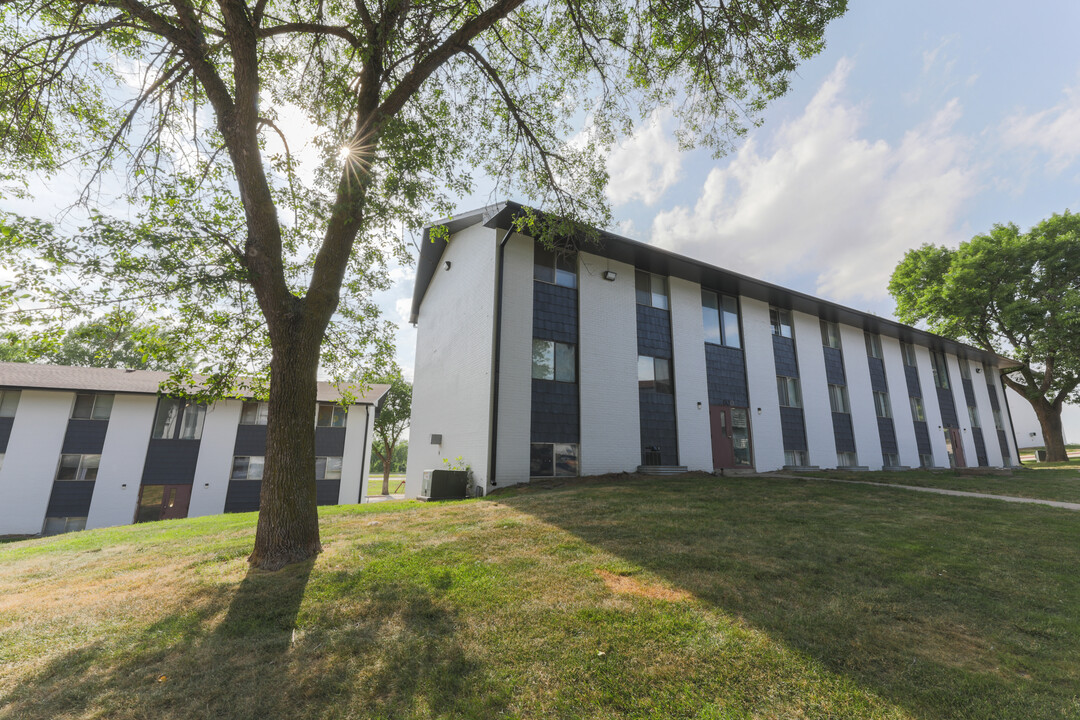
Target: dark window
(796, 458)
(846, 459)
(838, 399)
(830, 334)
(941, 371)
(890, 460)
(720, 314)
(780, 321)
(248, 467)
(541, 460)
(90, 406)
(651, 290)
(327, 468)
(907, 350)
(881, 404)
(654, 374)
(78, 468)
(9, 402)
(60, 525)
(787, 389)
(178, 418)
(965, 369)
(554, 361)
(917, 411)
(873, 345)
(553, 459)
(555, 268)
(330, 415)
(254, 413)
(973, 415)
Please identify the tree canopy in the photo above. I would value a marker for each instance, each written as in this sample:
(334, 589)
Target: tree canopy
(273, 151)
(1013, 293)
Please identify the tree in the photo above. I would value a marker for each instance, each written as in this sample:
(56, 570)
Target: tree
(1013, 293)
(117, 340)
(268, 260)
(390, 423)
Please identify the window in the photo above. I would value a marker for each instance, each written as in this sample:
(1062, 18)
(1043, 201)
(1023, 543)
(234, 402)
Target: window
(926, 460)
(965, 369)
(721, 316)
(788, 391)
(651, 290)
(830, 334)
(9, 402)
(882, 405)
(873, 345)
(553, 460)
(998, 425)
(654, 374)
(917, 412)
(330, 415)
(838, 399)
(780, 321)
(60, 525)
(78, 468)
(796, 458)
(890, 460)
(949, 448)
(178, 418)
(90, 406)
(556, 268)
(941, 372)
(846, 459)
(554, 361)
(254, 413)
(907, 351)
(327, 468)
(247, 467)
(973, 415)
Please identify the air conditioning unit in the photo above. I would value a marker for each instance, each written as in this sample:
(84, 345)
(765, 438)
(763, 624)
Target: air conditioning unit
(444, 485)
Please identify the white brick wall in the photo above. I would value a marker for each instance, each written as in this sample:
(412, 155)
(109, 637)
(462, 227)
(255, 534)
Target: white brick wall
(452, 385)
(214, 466)
(691, 381)
(861, 396)
(116, 492)
(515, 364)
(930, 405)
(33, 455)
(904, 423)
(610, 416)
(817, 412)
(767, 440)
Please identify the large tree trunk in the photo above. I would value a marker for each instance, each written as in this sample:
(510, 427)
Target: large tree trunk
(1049, 415)
(288, 529)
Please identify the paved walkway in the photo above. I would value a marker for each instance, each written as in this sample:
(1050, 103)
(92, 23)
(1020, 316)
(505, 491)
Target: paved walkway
(383, 498)
(942, 491)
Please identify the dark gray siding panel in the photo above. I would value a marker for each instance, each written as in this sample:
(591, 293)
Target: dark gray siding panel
(658, 425)
(994, 404)
(887, 433)
(5, 432)
(948, 408)
(243, 496)
(922, 437)
(969, 393)
(326, 491)
(70, 499)
(980, 446)
(1003, 441)
(170, 462)
(554, 412)
(653, 332)
(843, 432)
(555, 313)
(877, 375)
(725, 369)
(330, 442)
(784, 357)
(834, 367)
(793, 428)
(250, 440)
(86, 437)
(914, 389)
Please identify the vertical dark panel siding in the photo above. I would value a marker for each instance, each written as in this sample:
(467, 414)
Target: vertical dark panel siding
(1003, 441)
(843, 432)
(243, 496)
(980, 446)
(793, 428)
(658, 425)
(725, 369)
(887, 434)
(969, 393)
(922, 438)
(326, 492)
(555, 313)
(70, 499)
(250, 440)
(555, 412)
(784, 356)
(834, 366)
(948, 408)
(877, 374)
(85, 437)
(329, 441)
(653, 332)
(914, 388)
(5, 432)
(170, 462)
(994, 403)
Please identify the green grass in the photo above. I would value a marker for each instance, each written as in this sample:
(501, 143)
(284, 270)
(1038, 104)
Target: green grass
(689, 598)
(1045, 481)
(375, 483)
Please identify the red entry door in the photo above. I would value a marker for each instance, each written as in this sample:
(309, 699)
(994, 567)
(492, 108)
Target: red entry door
(957, 447)
(723, 450)
(163, 502)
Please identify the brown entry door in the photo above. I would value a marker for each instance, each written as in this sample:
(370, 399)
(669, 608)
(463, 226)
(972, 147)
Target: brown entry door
(163, 502)
(957, 447)
(723, 450)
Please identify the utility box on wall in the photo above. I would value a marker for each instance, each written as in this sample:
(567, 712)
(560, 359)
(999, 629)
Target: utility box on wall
(444, 485)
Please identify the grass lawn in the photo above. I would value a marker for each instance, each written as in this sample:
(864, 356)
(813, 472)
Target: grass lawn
(689, 597)
(375, 483)
(1045, 481)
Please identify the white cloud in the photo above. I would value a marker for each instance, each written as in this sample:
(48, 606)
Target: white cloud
(403, 308)
(825, 201)
(1054, 132)
(643, 166)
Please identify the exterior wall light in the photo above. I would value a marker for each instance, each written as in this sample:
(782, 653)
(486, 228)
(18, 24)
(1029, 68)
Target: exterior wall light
(446, 264)
(610, 275)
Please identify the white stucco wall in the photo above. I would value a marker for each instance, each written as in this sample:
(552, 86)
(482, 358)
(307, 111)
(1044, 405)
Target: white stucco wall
(607, 333)
(116, 492)
(956, 385)
(214, 466)
(903, 422)
(861, 396)
(815, 390)
(33, 454)
(515, 363)
(452, 371)
(931, 406)
(691, 381)
(356, 462)
(767, 440)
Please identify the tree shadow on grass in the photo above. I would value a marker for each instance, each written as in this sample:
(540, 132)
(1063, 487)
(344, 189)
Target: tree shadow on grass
(395, 654)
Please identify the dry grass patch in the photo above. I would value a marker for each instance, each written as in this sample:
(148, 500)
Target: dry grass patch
(627, 585)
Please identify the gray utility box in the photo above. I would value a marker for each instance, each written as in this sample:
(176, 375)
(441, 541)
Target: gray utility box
(444, 484)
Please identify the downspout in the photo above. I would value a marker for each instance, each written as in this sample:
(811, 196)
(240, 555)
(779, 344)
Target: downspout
(495, 363)
(1008, 412)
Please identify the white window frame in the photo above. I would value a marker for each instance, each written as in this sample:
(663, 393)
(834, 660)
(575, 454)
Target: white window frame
(88, 464)
(337, 412)
(552, 347)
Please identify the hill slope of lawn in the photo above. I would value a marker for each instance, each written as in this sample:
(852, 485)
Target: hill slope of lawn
(684, 598)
